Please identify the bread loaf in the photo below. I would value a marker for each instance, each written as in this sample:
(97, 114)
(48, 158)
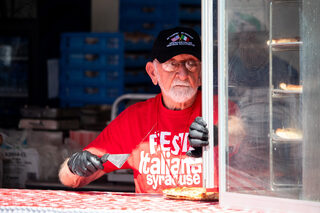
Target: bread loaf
(290, 87)
(289, 133)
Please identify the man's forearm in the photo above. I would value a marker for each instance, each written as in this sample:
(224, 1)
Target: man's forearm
(69, 179)
(235, 126)
(236, 130)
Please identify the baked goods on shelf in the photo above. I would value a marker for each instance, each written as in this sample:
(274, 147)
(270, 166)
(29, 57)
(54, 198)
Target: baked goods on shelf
(290, 87)
(136, 37)
(289, 133)
(190, 193)
(283, 40)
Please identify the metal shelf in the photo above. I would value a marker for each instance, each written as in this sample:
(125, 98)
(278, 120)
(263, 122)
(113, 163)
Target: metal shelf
(280, 93)
(279, 140)
(286, 46)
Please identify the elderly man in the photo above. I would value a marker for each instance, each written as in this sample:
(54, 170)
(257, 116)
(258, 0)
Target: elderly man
(155, 132)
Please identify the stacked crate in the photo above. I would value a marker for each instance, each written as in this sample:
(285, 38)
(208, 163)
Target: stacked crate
(190, 14)
(141, 21)
(91, 68)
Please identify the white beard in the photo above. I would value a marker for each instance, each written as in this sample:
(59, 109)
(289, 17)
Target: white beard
(177, 93)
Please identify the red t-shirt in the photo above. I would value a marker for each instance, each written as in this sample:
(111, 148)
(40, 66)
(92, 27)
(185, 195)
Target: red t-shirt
(157, 139)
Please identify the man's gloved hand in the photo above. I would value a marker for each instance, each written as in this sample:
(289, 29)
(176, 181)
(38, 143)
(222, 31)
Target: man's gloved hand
(199, 137)
(84, 163)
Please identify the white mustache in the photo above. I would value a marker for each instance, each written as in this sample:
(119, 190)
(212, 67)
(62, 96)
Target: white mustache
(180, 83)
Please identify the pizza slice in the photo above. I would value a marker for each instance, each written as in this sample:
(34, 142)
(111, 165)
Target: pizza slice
(190, 193)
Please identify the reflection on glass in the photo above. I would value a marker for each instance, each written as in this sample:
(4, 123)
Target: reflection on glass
(13, 66)
(265, 163)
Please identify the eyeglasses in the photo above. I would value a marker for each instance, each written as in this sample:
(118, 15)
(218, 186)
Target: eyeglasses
(173, 66)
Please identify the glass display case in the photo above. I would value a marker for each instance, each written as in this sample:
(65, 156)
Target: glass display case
(285, 130)
(268, 67)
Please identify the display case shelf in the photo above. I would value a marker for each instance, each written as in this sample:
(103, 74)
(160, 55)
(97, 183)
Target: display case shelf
(277, 139)
(286, 46)
(280, 93)
(287, 185)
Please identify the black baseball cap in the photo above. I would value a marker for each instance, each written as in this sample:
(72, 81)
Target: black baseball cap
(176, 41)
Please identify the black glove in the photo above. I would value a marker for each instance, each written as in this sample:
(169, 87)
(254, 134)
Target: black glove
(84, 163)
(198, 137)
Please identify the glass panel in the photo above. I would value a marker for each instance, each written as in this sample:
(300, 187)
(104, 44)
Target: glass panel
(266, 71)
(14, 65)
(248, 75)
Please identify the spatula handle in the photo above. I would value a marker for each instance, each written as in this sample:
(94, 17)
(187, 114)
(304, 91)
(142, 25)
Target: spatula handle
(104, 158)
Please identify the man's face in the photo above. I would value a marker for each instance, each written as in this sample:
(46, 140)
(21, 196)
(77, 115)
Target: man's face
(182, 84)
(253, 50)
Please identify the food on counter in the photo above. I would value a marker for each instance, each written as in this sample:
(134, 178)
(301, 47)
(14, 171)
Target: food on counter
(290, 87)
(190, 193)
(289, 133)
(283, 40)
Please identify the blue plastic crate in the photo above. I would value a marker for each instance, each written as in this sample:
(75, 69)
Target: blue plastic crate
(102, 42)
(137, 41)
(137, 77)
(136, 60)
(190, 14)
(140, 45)
(151, 12)
(146, 26)
(190, 2)
(196, 27)
(93, 77)
(148, 16)
(90, 94)
(91, 60)
(146, 2)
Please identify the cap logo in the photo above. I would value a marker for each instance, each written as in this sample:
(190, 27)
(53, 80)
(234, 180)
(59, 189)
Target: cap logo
(180, 39)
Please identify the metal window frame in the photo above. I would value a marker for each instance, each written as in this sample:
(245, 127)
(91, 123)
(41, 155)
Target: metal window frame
(207, 89)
